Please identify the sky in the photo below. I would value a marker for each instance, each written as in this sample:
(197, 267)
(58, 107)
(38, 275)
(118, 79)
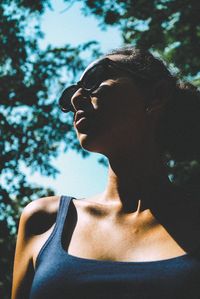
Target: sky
(79, 177)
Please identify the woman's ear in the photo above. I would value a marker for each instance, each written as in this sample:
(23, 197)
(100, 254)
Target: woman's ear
(161, 94)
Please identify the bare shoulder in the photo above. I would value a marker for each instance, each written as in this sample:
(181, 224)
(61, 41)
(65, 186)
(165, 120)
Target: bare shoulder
(183, 220)
(191, 206)
(39, 215)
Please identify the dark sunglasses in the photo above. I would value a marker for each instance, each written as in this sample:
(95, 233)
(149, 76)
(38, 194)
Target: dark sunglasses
(100, 71)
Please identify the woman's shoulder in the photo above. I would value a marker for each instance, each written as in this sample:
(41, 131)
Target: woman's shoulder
(183, 220)
(46, 204)
(40, 214)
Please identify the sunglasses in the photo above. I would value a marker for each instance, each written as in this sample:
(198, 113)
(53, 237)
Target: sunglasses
(100, 71)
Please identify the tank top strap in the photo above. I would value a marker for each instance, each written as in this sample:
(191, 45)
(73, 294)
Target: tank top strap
(53, 243)
(62, 214)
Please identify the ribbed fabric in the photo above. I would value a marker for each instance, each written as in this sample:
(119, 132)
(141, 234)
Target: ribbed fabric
(59, 275)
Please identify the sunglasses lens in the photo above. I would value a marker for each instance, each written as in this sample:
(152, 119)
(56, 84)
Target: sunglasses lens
(65, 98)
(90, 81)
(94, 76)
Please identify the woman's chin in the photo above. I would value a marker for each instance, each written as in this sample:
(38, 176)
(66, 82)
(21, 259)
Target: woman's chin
(89, 143)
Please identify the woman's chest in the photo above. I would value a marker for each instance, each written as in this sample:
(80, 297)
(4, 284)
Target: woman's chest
(121, 241)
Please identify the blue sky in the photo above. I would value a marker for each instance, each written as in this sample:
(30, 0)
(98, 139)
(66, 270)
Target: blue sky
(78, 177)
(63, 26)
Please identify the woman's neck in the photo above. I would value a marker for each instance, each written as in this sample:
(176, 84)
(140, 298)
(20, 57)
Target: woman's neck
(136, 184)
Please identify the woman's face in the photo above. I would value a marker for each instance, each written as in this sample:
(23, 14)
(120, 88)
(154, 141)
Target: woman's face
(112, 116)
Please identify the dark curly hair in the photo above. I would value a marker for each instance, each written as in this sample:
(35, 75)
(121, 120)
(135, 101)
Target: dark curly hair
(179, 127)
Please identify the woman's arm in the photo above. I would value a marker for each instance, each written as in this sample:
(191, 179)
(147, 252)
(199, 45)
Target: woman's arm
(36, 223)
(23, 267)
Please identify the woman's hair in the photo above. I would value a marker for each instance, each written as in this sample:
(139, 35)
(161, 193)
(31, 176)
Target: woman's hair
(178, 131)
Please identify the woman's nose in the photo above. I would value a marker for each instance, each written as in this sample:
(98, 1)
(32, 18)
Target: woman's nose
(80, 100)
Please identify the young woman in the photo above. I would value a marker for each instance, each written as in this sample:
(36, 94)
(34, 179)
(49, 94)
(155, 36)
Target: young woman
(140, 237)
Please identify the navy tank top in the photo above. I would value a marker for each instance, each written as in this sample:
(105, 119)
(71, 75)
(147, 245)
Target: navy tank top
(59, 275)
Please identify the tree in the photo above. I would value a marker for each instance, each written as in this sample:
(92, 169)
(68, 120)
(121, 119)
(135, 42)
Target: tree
(167, 26)
(32, 128)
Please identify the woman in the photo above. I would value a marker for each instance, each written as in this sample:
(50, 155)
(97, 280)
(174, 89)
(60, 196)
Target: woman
(140, 237)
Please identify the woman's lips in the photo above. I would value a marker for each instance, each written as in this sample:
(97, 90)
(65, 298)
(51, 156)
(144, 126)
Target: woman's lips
(78, 115)
(81, 121)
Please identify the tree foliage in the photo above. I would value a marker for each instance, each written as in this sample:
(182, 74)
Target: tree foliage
(32, 127)
(168, 26)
